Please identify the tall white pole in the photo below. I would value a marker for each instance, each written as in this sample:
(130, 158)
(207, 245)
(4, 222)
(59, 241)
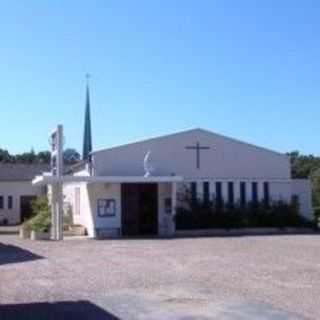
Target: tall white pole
(59, 185)
(53, 212)
(57, 194)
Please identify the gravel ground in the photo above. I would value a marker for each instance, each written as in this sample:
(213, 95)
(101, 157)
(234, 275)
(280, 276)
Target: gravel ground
(262, 277)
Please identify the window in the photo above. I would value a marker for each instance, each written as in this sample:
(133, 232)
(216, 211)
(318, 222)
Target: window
(230, 193)
(193, 191)
(255, 192)
(206, 192)
(77, 201)
(1, 202)
(266, 193)
(218, 194)
(243, 195)
(106, 207)
(10, 202)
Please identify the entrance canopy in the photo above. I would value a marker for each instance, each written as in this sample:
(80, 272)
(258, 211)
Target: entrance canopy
(143, 194)
(48, 179)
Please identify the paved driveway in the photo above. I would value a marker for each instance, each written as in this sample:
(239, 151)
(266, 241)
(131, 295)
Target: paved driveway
(264, 277)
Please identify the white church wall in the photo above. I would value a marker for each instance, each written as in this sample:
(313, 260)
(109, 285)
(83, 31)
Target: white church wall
(260, 190)
(83, 172)
(224, 188)
(86, 207)
(91, 193)
(16, 189)
(83, 214)
(226, 159)
(236, 186)
(68, 194)
(303, 189)
(280, 190)
(212, 190)
(164, 191)
(199, 189)
(105, 192)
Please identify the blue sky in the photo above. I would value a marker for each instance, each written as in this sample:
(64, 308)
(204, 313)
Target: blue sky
(246, 69)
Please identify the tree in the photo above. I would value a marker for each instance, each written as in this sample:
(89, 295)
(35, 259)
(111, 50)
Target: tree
(71, 156)
(5, 156)
(302, 166)
(27, 157)
(307, 166)
(315, 180)
(44, 157)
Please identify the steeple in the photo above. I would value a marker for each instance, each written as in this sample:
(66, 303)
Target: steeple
(87, 138)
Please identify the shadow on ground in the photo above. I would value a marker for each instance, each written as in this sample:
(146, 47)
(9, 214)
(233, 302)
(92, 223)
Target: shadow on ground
(71, 310)
(13, 254)
(237, 233)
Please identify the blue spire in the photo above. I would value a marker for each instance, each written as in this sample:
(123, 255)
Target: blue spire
(87, 138)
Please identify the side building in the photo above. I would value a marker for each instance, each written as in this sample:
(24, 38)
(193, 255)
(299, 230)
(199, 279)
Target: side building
(17, 191)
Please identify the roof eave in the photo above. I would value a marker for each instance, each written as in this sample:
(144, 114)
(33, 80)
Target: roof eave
(44, 180)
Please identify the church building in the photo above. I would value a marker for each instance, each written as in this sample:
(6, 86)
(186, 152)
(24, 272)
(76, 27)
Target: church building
(134, 189)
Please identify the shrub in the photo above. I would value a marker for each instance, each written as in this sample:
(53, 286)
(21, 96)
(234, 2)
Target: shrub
(317, 212)
(200, 215)
(39, 204)
(41, 221)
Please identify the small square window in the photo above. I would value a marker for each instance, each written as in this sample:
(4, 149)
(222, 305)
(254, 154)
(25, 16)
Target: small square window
(106, 207)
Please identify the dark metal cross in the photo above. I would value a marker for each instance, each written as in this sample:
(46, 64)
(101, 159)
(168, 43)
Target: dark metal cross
(197, 147)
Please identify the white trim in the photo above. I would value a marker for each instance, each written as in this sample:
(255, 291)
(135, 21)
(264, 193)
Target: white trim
(43, 180)
(235, 179)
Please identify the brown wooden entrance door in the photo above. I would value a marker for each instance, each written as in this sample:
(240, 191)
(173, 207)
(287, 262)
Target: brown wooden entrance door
(139, 209)
(25, 207)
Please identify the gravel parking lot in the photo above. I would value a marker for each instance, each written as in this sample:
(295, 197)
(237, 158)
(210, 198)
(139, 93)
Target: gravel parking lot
(257, 277)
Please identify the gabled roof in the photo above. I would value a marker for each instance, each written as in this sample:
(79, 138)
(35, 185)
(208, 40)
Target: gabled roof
(21, 172)
(187, 131)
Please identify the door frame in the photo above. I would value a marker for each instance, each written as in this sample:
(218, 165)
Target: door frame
(135, 202)
(33, 196)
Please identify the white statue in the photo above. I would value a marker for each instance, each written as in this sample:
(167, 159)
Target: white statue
(147, 165)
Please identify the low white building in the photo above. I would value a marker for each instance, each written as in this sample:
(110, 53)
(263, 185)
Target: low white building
(114, 196)
(17, 191)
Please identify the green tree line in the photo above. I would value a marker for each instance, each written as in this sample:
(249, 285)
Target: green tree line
(307, 166)
(70, 156)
